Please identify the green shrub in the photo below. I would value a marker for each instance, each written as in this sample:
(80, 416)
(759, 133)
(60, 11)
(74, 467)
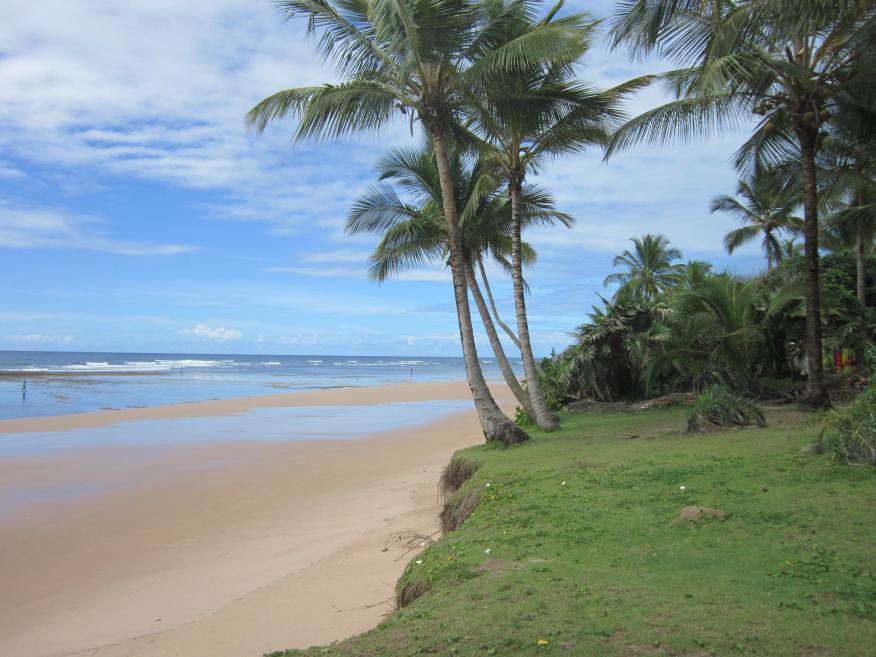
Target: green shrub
(522, 418)
(554, 380)
(717, 408)
(850, 435)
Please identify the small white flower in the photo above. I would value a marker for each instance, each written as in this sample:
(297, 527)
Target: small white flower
(487, 551)
(419, 562)
(488, 485)
(564, 483)
(681, 488)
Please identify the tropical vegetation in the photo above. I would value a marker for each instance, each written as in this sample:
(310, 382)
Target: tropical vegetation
(493, 85)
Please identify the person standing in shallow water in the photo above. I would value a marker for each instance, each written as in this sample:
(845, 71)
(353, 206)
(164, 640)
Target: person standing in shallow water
(24, 390)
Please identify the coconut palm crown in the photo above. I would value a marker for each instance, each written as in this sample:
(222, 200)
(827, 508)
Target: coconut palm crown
(649, 267)
(765, 207)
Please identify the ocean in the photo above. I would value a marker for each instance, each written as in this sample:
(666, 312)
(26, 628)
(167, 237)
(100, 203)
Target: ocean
(73, 382)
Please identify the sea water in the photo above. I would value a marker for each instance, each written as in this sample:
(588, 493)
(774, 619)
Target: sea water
(69, 382)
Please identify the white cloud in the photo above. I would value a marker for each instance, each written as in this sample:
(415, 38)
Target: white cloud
(82, 100)
(339, 255)
(218, 334)
(39, 338)
(48, 228)
(320, 272)
(9, 171)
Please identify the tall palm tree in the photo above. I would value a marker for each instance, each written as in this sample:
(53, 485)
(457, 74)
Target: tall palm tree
(650, 270)
(848, 168)
(530, 117)
(765, 207)
(418, 60)
(786, 61)
(414, 233)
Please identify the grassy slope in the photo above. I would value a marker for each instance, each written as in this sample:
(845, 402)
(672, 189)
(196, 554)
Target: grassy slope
(597, 567)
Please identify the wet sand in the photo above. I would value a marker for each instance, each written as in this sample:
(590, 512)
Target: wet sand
(352, 396)
(219, 549)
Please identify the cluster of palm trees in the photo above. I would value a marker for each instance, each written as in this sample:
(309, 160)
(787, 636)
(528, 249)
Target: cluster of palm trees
(674, 326)
(492, 85)
(798, 65)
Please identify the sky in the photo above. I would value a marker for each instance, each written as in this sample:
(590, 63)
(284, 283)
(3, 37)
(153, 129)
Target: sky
(137, 214)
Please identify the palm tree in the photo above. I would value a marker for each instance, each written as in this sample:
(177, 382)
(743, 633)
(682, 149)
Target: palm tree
(530, 117)
(764, 205)
(786, 61)
(712, 334)
(650, 271)
(848, 167)
(416, 233)
(790, 248)
(418, 60)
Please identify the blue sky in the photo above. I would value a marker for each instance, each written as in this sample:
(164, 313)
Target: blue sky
(136, 213)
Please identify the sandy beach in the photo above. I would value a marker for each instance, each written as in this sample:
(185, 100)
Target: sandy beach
(219, 549)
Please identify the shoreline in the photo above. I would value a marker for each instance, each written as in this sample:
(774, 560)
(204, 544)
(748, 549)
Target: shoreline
(337, 396)
(223, 550)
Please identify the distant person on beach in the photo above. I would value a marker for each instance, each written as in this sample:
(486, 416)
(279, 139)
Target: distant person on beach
(24, 390)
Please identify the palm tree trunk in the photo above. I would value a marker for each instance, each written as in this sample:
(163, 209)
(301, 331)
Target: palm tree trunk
(493, 422)
(861, 266)
(489, 292)
(816, 395)
(544, 418)
(768, 243)
(507, 372)
(499, 321)
(861, 289)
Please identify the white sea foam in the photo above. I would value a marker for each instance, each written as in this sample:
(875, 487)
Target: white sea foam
(270, 362)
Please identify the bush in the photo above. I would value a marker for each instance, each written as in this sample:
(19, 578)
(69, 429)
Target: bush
(717, 408)
(522, 418)
(554, 382)
(850, 435)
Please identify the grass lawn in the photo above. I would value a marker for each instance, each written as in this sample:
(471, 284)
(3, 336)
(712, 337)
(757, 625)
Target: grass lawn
(573, 550)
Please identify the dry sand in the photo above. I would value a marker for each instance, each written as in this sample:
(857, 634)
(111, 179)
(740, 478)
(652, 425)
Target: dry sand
(216, 550)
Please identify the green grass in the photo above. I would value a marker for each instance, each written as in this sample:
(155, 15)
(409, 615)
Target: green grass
(597, 567)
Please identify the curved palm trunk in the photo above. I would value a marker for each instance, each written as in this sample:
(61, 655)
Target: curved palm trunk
(816, 392)
(510, 378)
(495, 424)
(544, 418)
(768, 244)
(489, 292)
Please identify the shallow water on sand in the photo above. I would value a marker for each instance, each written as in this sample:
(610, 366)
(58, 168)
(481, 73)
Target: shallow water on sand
(121, 445)
(259, 424)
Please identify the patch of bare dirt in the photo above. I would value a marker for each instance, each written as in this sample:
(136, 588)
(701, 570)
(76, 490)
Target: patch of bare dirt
(497, 566)
(693, 514)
